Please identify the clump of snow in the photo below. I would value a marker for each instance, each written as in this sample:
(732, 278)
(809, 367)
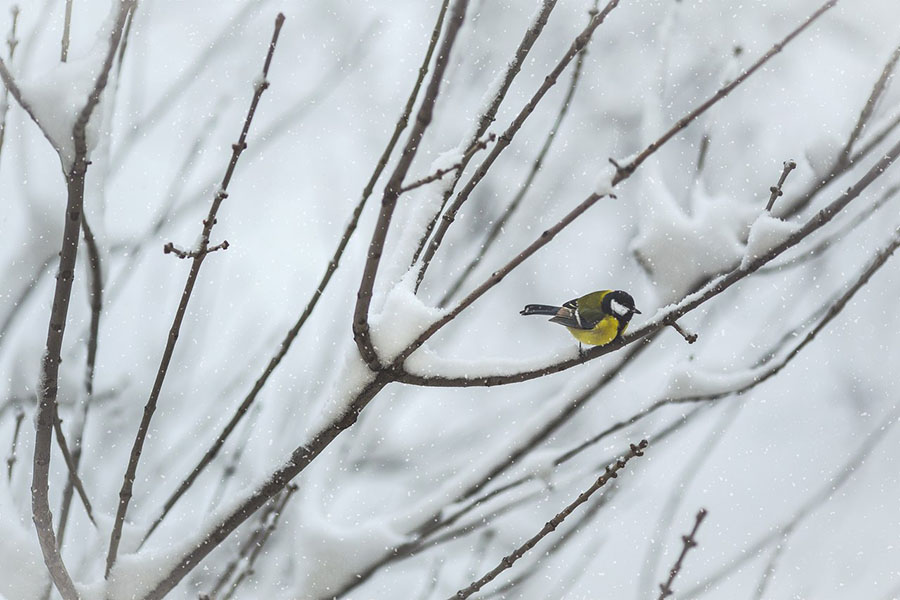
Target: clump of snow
(679, 249)
(57, 96)
(604, 185)
(766, 233)
(23, 574)
(403, 317)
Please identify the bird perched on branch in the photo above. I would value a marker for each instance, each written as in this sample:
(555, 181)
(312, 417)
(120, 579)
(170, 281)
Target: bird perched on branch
(596, 318)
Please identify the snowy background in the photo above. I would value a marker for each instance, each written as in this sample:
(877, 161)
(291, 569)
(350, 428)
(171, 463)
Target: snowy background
(799, 475)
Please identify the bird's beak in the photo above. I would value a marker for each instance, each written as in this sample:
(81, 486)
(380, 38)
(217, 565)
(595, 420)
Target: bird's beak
(636, 311)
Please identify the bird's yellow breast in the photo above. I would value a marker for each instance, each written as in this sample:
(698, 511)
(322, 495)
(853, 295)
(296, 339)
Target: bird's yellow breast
(603, 332)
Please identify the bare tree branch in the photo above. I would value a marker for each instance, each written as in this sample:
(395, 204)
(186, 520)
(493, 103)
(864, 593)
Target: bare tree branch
(46, 418)
(203, 250)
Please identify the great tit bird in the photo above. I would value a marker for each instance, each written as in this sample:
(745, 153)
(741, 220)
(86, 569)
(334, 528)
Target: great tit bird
(596, 318)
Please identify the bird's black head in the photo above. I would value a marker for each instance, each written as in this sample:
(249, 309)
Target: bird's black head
(620, 304)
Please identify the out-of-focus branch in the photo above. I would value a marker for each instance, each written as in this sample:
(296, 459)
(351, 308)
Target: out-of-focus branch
(11, 458)
(805, 511)
(11, 42)
(394, 185)
(868, 110)
(506, 138)
(551, 525)
(689, 541)
(67, 27)
(292, 334)
(203, 250)
(511, 208)
(46, 418)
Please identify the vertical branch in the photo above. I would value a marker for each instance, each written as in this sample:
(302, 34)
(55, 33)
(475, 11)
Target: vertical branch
(392, 189)
(11, 42)
(96, 298)
(46, 416)
(198, 256)
(67, 27)
(11, 459)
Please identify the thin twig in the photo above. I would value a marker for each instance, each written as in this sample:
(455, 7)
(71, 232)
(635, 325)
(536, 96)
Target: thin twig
(67, 26)
(11, 42)
(203, 249)
(46, 418)
(506, 138)
(689, 541)
(392, 189)
(333, 264)
(11, 459)
(775, 190)
(513, 205)
(509, 560)
(95, 280)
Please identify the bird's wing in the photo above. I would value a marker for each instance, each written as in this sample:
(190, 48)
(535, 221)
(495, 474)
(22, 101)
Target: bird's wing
(569, 316)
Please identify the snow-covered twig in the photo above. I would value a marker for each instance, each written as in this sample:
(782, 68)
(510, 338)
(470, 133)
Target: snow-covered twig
(361, 333)
(551, 525)
(689, 541)
(506, 138)
(197, 260)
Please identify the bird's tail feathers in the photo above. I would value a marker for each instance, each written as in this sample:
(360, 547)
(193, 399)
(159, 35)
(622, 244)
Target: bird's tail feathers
(540, 309)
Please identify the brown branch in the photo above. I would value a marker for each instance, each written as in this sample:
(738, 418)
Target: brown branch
(96, 299)
(171, 248)
(67, 27)
(11, 459)
(775, 190)
(486, 119)
(511, 208)
(507, 136)
(689, 541)
(687, 304)
(551, 525)
(625, 170)
(203, 248)
(320, 289)
(46, 418)
(392, 189)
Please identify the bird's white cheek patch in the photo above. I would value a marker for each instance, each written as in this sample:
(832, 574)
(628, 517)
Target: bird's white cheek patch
(619, 309)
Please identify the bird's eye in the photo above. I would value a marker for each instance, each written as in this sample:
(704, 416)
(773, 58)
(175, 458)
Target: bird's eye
(618, 308)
